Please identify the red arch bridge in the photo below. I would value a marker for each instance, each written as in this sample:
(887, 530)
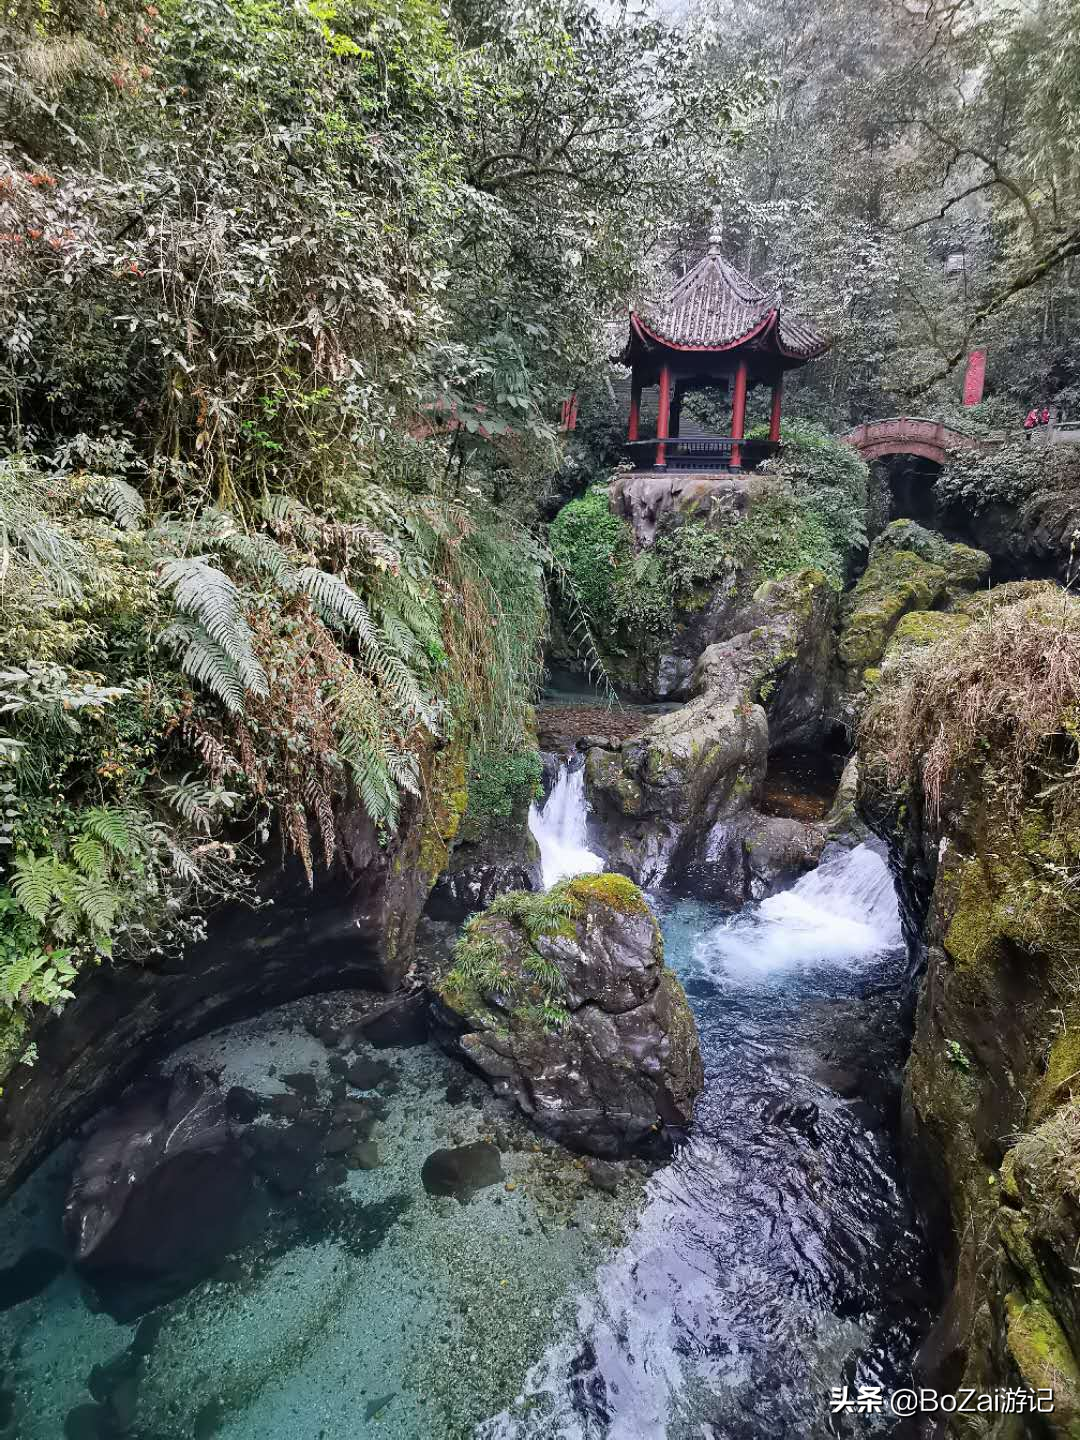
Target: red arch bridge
(914, 435)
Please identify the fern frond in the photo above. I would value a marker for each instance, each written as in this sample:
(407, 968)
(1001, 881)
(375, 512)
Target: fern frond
(118, 500)
(260, 555)
(337, 602)
(206, 662)
(207, 595)
(58, 559)
(15, 977)
(88, 854)
(193, 802)
(34, 884)
(285, 512)
(340, 607)
(114, 828)
(96, 902)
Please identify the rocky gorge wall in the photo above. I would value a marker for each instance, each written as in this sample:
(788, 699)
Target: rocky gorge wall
(988, 867)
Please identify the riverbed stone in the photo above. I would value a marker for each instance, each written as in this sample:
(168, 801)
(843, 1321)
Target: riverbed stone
(159, 1191)
(564, 1004)
(462, 1170)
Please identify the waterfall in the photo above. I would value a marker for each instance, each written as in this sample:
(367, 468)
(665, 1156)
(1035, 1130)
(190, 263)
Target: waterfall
(559, 829)
(846, 909)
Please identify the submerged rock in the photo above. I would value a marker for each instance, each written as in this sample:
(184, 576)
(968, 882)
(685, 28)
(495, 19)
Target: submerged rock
(398, 1025)
(563, 1002)
(159, 1191)
(462, 1170)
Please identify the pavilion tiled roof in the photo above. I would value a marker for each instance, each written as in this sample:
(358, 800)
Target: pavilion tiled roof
(716, 307)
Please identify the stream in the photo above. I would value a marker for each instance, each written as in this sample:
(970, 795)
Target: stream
(721, 1297)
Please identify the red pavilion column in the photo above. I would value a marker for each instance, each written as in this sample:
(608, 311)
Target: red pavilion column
(738, 414)
(635, 407)
(663, 414)
(774, 414)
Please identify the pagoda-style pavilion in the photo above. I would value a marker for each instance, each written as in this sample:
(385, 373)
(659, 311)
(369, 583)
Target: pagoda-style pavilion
(714, 328)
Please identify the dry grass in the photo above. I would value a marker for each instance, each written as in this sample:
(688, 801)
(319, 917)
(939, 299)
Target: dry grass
(1007, 688)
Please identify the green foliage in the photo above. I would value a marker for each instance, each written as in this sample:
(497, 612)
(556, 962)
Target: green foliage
(782, 535)
(1014, 475)
(500, 783)
(595, 546)
(290, 296)
(274, 665)
(481, 968)
(538, 912)
(694, 556)
(829, 482)
(955, 1055)
(478, 965)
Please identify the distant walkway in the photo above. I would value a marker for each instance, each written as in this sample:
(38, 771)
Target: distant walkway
(915, 435)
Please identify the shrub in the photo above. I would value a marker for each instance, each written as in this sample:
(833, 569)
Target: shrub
(830, 481)
(626, 596)
(500, 783)
(1016, 475)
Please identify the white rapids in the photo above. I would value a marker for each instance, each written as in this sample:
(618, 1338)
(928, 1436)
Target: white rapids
(844, 910)
(559, 830)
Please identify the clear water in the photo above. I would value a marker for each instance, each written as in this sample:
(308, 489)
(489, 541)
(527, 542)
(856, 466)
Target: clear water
(773, 1258)
(559, 828)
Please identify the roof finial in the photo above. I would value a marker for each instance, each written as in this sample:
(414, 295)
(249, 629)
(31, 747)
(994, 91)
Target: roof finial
(716, 231)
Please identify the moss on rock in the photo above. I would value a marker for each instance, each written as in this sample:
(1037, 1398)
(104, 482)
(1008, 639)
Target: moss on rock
(615, 891)
(894, 582)
(563, 1001)
(920, 628)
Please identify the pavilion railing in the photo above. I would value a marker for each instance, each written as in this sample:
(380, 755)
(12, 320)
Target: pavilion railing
(701, 452)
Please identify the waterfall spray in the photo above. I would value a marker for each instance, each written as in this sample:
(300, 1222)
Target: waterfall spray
(559, 829)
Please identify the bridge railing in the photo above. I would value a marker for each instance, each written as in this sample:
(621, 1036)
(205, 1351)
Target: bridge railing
(701, 452)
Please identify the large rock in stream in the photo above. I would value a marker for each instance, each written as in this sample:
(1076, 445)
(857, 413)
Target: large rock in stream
(676, 803)
(160, 1192)
(564, 1003)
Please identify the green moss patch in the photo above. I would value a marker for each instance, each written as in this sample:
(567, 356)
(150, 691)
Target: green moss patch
(615, 891)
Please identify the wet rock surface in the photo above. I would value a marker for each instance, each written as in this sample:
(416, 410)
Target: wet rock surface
(612, 1064)
(749, 857)
(161, 1188)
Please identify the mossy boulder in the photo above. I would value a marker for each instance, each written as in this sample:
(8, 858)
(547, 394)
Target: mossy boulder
(894, 583)
(920, 628)
(966, 568)
(912, 538)
(675, 780)
(563, 1002)
(780, 657)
